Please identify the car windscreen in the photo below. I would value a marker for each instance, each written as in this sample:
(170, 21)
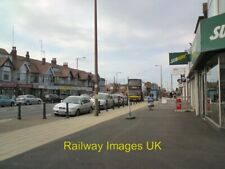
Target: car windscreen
(74, 100)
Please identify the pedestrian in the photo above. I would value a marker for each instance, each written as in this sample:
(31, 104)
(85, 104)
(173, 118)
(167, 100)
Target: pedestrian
(150, 102)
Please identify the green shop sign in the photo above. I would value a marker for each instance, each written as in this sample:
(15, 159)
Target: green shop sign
(179, 58)
(213, 33)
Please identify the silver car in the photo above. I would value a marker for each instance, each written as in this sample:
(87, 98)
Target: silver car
(76, 105)
(28, 100)
(106, 100)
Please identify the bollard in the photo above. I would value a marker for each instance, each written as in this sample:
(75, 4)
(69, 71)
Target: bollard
(106, 105)
(67, 110)
(19, 111)
(123, 102)
(44, 110)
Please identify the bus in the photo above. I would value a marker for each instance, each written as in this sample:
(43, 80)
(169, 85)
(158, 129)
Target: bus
(135, 90)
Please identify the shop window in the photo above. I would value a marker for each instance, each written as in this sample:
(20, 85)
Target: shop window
(222, 89)
(212, 110)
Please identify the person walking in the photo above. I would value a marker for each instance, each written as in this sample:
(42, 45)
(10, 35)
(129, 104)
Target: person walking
(150, 102)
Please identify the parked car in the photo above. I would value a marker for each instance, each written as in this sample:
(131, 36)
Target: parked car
(118, 99)
(106, 100)
(125, 99)
(6, 101)
(28, 100)
(90, 98)
(77, 105)
(52, 98)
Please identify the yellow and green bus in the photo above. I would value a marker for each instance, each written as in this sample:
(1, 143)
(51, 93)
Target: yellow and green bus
(135, 90)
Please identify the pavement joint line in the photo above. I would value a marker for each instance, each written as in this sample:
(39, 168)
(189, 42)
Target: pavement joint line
(35, 136)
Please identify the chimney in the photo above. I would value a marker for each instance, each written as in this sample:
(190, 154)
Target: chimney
(27, 55)
(53, 61)
(43, 61)
(65, 64)
(205, 9)
(13, 52)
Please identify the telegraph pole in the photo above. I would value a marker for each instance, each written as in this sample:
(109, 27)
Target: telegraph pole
(96, 59)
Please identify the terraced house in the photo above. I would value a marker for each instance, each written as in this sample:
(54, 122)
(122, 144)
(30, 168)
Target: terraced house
(24, 75)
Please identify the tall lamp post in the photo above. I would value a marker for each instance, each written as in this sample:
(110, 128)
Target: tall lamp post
(115, 82)
(160, 75)
(77, 58)
(117, 75)
(96, 59)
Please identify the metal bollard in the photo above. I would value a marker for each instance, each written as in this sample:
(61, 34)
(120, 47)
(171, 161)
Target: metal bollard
(106, 105)
(67, 110)
(19, 112)
(123, 102)
(44, 110)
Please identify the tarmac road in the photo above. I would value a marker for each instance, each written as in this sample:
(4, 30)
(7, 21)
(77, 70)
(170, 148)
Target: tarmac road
(187, 142)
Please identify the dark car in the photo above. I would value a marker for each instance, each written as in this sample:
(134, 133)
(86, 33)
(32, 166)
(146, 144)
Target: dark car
(52, 98)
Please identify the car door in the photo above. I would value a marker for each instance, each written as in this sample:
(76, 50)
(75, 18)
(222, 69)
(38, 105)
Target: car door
(83, 108)
(2, 100)
(86, 105)
(89, 104)
(110, 101)
(7, 101)
(31, 99)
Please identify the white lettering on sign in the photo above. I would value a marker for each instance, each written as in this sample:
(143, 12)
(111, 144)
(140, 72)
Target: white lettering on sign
(219, 32)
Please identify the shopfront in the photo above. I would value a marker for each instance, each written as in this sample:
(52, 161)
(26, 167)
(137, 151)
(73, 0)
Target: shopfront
(8, 88)
(209, 66)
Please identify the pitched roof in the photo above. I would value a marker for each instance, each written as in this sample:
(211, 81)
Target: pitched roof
(75, 72)
(42, 67)
(2, 61)
(3, 51)
(83, 75)
(65, 71)
(20, 60)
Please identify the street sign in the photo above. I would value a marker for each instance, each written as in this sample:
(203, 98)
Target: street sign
(213, 33)
(179, 58)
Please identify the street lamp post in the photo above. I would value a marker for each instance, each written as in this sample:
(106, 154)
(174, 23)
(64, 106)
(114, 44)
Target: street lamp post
(77, 58)
(117, 75)
(96, 59)
(160, 75)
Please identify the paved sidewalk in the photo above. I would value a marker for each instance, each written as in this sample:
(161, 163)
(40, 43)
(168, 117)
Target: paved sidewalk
(19, 141)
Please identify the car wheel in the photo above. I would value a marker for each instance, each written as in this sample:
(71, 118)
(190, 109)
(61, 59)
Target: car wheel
(39, 102)
(27, 103)
(77, 113)
(12, 104)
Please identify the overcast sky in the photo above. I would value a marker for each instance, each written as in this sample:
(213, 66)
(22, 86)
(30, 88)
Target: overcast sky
(134, 35)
